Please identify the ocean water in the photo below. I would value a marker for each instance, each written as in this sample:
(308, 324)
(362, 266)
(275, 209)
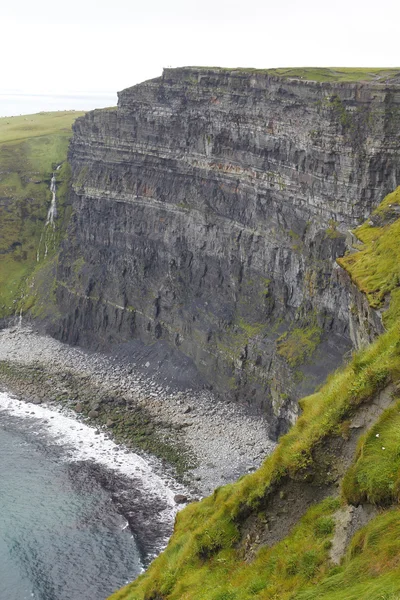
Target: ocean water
(14, 104)
(79, 518)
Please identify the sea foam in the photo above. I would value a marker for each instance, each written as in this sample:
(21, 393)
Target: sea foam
(82, 442)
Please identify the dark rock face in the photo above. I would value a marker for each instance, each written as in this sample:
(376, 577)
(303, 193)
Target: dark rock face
(209, 209)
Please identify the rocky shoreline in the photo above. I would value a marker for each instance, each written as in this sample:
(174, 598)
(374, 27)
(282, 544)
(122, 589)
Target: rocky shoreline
(201, 440)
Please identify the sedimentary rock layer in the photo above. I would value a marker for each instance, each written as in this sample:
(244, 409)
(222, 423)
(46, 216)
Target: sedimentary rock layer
(209, 208)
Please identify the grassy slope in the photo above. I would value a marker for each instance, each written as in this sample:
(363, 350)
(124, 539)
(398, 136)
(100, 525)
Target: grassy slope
(30, 148)
(325, 74)
(205, 559)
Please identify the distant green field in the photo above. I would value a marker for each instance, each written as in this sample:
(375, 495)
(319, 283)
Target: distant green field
(41, 124)
(31, 146)
(333, 74)
(339, 74)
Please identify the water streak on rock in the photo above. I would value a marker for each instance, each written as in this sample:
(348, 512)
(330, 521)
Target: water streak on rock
(51, 215)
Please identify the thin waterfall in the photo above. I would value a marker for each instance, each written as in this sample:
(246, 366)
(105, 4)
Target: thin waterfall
(51, 215)
(17, 320)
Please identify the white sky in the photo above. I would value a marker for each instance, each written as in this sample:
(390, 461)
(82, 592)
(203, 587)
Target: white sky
(105, 46)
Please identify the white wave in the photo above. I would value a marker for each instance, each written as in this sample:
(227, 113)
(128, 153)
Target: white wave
(83, 442)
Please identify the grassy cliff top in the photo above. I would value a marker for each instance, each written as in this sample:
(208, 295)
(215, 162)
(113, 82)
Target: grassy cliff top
(222, 547)
(321, 74)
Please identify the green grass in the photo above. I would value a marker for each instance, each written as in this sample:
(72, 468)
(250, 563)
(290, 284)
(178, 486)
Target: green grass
(207, 533)
(375, 475)
(340, 74)
(13, 129)
(332, 231)
(298, 345)
(206, 560)
(299, 559)
(375, 268)
(236, 337)
(321, 74)
(371, 569)
(30, 148)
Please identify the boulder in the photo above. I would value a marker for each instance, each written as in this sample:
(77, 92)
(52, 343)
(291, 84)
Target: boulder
(180, 499)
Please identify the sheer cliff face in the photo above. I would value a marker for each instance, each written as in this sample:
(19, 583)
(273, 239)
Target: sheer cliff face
(208, 211)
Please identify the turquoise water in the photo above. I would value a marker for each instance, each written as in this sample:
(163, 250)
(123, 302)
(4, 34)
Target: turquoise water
(62, 532)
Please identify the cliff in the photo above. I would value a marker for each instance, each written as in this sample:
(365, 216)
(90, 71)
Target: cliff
(208, 213)
(209, 209)
(320, 519)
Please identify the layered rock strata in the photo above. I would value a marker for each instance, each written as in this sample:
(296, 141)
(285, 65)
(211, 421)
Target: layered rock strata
(209, 209)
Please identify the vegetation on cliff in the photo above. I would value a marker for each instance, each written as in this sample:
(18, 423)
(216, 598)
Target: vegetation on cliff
(320, 74)
(31, 147)
(340, 74)
(270, 534)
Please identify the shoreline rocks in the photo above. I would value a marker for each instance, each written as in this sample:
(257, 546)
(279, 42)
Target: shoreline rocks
(203, 439)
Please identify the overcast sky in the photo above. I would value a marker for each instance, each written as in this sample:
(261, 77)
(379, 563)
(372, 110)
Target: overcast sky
(104, 46)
